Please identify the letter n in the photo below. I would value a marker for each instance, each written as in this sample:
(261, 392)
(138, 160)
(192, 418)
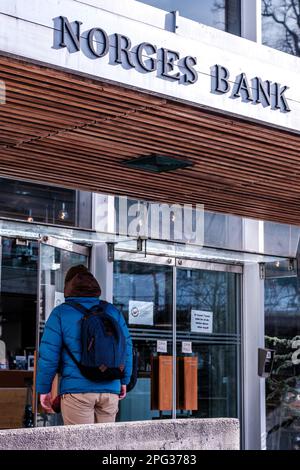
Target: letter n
(66, 28)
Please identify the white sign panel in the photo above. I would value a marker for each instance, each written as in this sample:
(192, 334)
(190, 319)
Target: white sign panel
(201, 321)
(161, 346)
(140, 313)
(186, 347)
(199, 65)
(59, 298)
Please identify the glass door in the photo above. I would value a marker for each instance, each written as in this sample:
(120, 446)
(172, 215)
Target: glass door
(184, 318)
(143, 292)
(18, 280)
(208, 339)
(55, 258)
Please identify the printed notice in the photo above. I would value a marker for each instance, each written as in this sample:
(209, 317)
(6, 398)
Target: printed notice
(201, 321)
(186, 347)
(59, 298)
(161, 346)
(140, 313)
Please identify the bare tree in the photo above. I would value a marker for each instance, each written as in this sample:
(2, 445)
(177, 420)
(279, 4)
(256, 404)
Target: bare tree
(286, 14)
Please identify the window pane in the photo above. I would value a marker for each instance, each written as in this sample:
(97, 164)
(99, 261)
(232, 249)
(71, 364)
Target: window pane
(37, 203)
(18, 302)
(144, 283)
(209, 291)
(280, 25)
(137, 285)
(220, 14)
(223, 230)
(281, 239)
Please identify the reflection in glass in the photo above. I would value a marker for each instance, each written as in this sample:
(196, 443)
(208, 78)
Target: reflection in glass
(55, 263)
(37, 203)
(217, 353)
(17, 330)
(218, 385)
(209, 291)
(144, 283)
(281, 238)
(220, 14)
(18, 298)
(217, 350)
(282, 326)
(280, 25)
(223, 230)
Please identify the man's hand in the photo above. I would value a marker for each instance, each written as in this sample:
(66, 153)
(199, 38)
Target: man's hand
(123, 392)
(45, 400)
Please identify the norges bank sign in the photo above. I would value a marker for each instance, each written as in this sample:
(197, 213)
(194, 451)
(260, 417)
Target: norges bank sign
(168, 64)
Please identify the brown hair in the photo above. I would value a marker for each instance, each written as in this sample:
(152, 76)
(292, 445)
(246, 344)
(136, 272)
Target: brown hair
(80, 268)
(79, 282)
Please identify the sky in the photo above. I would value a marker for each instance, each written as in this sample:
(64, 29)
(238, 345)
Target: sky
(198, 10)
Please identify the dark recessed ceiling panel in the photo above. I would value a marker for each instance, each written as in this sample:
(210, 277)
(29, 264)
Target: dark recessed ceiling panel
(157, 163)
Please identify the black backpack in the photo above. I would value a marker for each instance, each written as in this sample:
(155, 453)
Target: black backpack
(103, 344)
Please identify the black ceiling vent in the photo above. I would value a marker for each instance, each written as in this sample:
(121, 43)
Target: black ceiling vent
(157, 163)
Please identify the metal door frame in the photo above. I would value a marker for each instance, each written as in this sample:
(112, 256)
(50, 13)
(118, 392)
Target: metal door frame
(183, 263)
(65, 245)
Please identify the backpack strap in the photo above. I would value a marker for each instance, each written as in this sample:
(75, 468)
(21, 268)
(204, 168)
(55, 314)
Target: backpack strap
(70, 354)
(77, 306)
(85, 311)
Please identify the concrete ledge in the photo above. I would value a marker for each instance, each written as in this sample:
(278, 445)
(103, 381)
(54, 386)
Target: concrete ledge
(188, 434)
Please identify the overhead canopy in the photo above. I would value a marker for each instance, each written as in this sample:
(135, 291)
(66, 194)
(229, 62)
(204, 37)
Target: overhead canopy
(75, 132)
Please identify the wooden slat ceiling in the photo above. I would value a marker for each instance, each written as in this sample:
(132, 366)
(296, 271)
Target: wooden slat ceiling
(64, 129)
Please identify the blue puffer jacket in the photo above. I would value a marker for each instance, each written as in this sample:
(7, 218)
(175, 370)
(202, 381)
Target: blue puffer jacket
(64, 324)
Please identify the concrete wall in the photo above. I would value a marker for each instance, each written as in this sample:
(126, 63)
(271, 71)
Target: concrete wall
(185, 434)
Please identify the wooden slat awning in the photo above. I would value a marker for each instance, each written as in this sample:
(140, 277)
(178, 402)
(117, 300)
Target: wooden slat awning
(71, 131)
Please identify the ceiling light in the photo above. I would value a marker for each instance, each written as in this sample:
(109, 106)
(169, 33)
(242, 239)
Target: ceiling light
(30, 218)
(157, 163)
(63, 213)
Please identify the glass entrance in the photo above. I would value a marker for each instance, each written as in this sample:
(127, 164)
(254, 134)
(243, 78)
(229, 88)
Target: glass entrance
(208, 340)
(55, 258)
(143, 292)
(18, 280)
(184, 318)
(31, 285)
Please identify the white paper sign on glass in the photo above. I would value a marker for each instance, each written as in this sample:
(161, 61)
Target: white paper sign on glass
(201, 321)
(186, 347)
(59, 298)
(161, 346)
(140, 313)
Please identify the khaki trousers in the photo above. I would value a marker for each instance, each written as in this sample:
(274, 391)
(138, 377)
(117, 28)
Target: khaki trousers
(89, 408)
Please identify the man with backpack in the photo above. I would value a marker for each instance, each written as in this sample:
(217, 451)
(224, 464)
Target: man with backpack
(88, 342)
